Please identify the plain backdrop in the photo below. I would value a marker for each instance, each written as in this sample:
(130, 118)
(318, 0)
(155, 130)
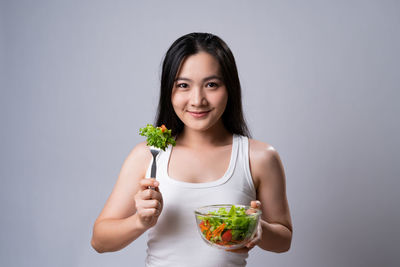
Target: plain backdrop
(320, 83)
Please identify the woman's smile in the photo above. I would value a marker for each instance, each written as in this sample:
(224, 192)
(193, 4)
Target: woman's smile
(199, 114)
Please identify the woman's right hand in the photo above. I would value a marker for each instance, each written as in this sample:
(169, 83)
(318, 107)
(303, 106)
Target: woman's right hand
(149, 202)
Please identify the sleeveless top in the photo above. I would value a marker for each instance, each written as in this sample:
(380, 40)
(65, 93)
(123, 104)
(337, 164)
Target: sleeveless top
(175, 240)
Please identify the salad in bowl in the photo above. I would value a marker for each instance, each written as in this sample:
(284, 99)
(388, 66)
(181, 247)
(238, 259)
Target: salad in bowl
(227, 226)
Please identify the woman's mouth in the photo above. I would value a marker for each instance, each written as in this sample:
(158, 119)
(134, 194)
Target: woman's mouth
(198, 114)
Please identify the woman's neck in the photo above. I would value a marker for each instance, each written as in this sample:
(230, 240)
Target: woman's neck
(218, 136)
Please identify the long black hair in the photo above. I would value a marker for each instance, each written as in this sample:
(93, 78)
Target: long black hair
(188, 45)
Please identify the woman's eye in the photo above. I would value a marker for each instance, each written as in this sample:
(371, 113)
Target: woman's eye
(182, 85)
(212, 85)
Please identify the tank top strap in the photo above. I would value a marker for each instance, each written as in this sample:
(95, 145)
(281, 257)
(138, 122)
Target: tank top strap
(244, 159)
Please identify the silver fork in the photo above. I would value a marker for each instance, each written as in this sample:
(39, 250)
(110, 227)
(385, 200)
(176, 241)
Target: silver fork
(154, 151)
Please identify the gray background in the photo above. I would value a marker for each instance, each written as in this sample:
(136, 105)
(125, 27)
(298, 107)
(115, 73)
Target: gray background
(320, 82)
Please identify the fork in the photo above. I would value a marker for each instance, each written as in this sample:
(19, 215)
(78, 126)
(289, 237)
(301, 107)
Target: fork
(154, 151)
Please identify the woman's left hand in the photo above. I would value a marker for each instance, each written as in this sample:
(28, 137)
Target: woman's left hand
(255, 204)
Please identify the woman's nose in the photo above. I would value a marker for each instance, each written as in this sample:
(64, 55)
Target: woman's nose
(198, 97)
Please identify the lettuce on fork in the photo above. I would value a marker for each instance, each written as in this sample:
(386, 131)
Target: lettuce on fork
(159, 137)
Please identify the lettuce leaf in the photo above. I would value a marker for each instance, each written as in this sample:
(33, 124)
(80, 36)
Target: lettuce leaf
(159, 137)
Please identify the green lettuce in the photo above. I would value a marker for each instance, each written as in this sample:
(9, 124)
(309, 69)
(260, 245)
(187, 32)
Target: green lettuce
(159, 137)
(236, 220)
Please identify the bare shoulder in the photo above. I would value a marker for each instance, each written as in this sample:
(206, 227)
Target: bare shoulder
(121, 200)
(262, 153)
(141, 150)
(264, 160)
(138, 156)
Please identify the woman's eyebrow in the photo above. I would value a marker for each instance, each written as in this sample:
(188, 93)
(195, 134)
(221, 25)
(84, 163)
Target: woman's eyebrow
(212, 77)
(182, 79)
(205, 79)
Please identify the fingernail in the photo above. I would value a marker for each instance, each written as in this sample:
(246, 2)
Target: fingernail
(156, 183)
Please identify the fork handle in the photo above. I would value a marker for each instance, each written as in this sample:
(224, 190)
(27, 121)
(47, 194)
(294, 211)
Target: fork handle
(153, 170)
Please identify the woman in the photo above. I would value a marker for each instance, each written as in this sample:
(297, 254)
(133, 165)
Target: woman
(213, 162)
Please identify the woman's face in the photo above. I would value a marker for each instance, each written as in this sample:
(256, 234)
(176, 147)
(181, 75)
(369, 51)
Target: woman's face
(199, 96)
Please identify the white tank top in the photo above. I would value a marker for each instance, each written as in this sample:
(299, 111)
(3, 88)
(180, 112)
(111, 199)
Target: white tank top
(174, 240)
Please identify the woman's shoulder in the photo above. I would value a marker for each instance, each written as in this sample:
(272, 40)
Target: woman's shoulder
(261, 149)
(140, 148)
(264, 158)
(139, 154)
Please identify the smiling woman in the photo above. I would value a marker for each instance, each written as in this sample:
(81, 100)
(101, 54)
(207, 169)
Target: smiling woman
(199, 96)
(223, 72)
(213, 162)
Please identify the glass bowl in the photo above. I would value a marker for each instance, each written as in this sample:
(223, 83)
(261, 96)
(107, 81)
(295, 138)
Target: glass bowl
(227, 226)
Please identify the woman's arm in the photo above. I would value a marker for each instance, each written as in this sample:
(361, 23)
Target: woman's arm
(120, 221)
(269, 178)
